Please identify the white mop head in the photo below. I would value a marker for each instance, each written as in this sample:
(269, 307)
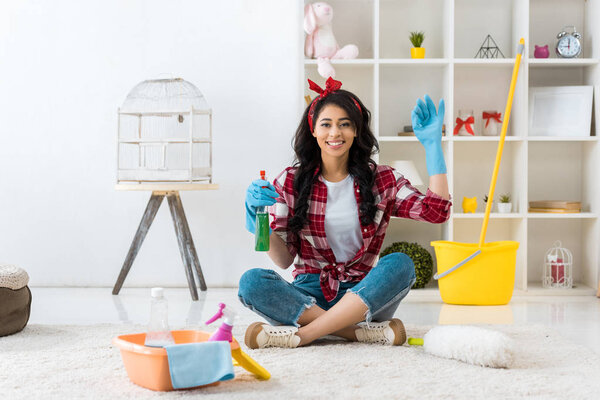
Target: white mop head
(470, 344)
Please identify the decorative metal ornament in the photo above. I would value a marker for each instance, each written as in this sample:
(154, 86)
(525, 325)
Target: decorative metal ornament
(489, 49)
(558, 267)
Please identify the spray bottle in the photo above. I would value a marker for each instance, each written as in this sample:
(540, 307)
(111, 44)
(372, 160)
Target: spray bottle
(225, 330)
(262, 225)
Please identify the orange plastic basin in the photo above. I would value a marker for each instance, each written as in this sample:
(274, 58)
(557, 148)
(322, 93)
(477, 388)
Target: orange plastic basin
(149, 366)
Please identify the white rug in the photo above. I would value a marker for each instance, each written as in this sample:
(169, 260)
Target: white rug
(69, 362)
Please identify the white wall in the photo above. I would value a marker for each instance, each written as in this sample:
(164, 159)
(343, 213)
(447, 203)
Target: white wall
(65, 67)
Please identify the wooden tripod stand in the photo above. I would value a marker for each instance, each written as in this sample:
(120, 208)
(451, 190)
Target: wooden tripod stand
(182, 230)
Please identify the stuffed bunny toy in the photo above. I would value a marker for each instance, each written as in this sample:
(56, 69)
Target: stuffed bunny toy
(320, 42)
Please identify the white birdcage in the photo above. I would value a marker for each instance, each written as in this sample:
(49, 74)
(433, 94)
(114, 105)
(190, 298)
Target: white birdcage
(558, 267)
(165, 134)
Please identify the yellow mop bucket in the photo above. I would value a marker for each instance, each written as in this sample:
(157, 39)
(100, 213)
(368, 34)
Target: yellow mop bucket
(481, 273)
(488, 279)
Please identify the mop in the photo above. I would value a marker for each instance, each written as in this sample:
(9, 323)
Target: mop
(470, 344)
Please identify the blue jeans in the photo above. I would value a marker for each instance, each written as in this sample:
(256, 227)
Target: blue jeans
(266, 293)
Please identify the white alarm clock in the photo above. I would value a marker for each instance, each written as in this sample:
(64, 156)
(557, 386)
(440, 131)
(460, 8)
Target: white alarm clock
(569, 43)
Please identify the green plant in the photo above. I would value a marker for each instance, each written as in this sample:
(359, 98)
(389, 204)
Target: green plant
(416, 38)
(419, 256)
(505, 198)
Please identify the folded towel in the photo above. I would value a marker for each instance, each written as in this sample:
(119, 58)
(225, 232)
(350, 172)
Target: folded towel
(196, 364)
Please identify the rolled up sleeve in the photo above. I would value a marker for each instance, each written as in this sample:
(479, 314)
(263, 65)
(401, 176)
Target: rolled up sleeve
(410, 203)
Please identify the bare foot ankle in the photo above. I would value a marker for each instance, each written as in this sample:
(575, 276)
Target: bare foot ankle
(304, 338)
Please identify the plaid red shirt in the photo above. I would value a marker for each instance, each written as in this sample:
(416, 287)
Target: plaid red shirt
(394, 196)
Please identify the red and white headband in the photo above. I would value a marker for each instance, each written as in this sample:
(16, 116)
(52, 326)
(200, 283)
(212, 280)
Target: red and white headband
(331, 86)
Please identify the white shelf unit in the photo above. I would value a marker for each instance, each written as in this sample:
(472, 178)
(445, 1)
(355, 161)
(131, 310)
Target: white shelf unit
(388, 81)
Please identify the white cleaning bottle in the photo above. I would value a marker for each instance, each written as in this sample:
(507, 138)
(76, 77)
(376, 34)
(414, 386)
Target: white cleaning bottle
(159, 334)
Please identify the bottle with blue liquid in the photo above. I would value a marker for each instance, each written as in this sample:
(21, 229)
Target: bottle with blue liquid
(159, 334)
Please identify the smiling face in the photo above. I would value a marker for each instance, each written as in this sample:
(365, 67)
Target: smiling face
(334, 132)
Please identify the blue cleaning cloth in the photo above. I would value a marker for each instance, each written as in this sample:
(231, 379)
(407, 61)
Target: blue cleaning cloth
(196, 364)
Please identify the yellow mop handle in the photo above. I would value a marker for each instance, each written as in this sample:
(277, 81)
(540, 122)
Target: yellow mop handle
(513, 83)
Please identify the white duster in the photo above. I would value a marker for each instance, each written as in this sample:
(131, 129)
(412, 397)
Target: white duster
(470, 344)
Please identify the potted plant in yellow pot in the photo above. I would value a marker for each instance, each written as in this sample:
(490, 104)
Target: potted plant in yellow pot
(416, 38)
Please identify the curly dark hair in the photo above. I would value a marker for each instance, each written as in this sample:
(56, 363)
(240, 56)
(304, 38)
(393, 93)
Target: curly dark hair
(360, 163)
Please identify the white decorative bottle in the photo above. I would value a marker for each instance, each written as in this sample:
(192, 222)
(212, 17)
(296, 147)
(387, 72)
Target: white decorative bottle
(464, 123)
(159, 334)
(492, 124)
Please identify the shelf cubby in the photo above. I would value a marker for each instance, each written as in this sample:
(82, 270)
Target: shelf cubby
(353, 23)
(548, 161)
(483, 89)
(574, 234)
(474, 20)
(548, 17)
(400, 17)
(473, 167)
(400, 86)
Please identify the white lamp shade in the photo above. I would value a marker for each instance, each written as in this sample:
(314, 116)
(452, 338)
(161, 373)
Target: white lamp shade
(409, 170)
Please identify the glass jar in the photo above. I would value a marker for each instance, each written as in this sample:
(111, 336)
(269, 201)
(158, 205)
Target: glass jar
(492, 123)
(465, 123)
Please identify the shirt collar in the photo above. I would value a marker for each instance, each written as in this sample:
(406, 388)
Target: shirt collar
(321, 179)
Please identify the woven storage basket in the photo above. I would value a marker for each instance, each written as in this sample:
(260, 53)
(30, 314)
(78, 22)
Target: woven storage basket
(15, 299)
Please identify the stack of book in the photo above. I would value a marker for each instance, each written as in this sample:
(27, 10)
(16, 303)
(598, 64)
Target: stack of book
(408, 130)
(555, 206)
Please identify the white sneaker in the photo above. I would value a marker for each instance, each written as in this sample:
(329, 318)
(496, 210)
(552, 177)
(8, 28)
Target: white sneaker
(389, 333)
(260, 335)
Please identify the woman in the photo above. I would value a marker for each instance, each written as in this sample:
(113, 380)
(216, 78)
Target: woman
(330, 213)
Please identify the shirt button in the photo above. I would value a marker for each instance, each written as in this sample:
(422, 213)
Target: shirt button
(334, 264)
(365, 229)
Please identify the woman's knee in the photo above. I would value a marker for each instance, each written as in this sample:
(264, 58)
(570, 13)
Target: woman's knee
(250, 282)
(400, 265)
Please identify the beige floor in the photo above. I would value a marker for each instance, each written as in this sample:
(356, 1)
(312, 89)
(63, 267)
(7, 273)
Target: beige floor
(575, 317)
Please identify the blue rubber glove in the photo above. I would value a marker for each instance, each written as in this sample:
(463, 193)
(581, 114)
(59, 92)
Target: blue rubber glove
(258, 196)
(427, 125)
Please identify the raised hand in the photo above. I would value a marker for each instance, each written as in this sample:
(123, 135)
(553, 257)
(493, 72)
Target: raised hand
(427, 125)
